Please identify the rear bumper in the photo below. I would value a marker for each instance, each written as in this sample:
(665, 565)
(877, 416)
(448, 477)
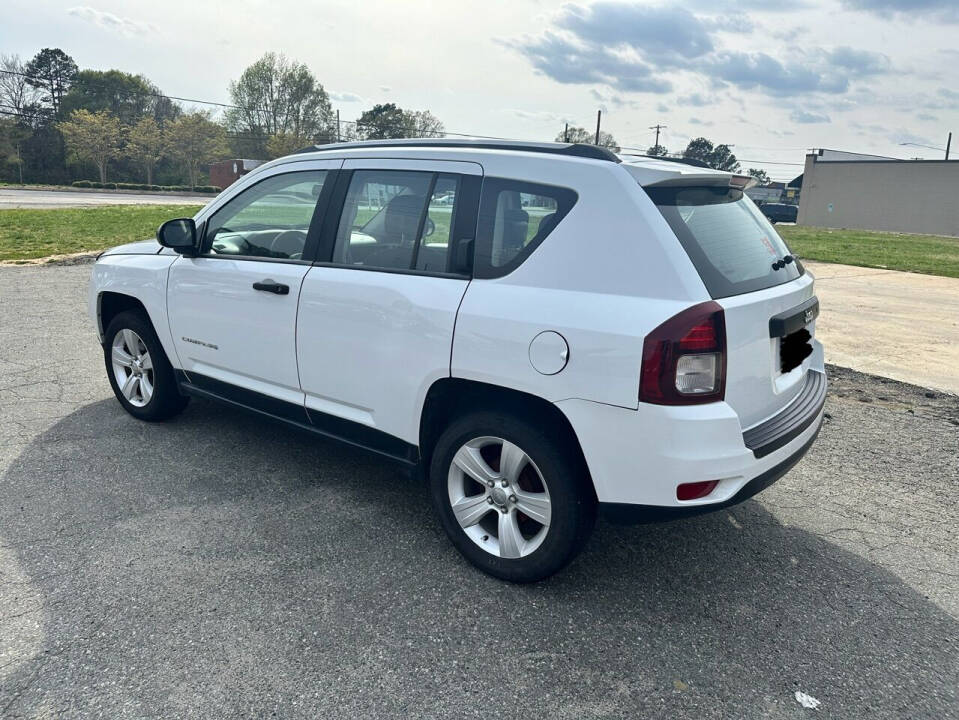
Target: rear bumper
(639, 457)
(627, 514)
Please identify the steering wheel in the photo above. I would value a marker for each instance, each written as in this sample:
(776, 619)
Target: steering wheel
(290, 236)
(429, 227)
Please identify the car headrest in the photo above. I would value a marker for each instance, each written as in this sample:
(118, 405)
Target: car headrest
(402, 217)
(546, 226)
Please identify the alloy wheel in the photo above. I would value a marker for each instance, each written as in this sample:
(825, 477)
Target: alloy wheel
(499, 497)
(132, 367)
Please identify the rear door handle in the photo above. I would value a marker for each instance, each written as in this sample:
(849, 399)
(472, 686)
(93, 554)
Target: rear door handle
(272, 287)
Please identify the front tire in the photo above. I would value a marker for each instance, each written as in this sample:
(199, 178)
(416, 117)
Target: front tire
(512, 498)
(140, 373)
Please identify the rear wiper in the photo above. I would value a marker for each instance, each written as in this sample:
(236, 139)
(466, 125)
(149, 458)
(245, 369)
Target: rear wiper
(780, 264)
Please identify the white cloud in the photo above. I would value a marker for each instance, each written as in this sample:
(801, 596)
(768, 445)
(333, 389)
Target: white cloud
(542, 116)
(347, 97)
(109, 21)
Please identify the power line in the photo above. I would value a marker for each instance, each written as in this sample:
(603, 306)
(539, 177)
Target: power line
(140, 93)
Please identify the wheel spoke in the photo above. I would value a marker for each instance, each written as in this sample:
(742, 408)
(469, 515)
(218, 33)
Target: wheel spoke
(130, 340)
(510, 539)
(469, 460)
(129, 388)
(512, 460)
(146, 362)
(470, 510)
(536, 506)
(146, 388)
(121, 357)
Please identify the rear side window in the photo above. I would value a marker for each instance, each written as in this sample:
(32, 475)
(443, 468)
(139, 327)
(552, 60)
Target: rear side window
(514, 218)
(728, 239)
(397, 220)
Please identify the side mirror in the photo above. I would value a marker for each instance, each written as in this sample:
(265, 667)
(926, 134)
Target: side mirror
(180, 235)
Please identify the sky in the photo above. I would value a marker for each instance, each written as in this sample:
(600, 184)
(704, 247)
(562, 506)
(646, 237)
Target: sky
(858, 75)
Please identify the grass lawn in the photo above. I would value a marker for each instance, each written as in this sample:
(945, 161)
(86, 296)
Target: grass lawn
(28, 234)
(929, 254)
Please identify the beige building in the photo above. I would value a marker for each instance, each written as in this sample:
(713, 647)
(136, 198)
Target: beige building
(847, 190)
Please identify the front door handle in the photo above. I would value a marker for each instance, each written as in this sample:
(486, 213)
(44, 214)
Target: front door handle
(272, 286)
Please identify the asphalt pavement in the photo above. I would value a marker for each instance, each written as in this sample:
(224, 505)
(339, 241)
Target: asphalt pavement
(223, 566)
(41, 199)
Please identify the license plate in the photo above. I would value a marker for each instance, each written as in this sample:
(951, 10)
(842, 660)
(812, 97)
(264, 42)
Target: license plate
(795, 341)
(793, 349)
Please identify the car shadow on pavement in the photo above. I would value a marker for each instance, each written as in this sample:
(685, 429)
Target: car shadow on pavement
(220, 565)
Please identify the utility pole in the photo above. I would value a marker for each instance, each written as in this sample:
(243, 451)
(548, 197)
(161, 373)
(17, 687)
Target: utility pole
(566, 133)
(599, 115)
(948, 145)
(657, 127)
(337, 125)
(20, 160)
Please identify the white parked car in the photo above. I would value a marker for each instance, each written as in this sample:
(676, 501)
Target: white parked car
(545, 330)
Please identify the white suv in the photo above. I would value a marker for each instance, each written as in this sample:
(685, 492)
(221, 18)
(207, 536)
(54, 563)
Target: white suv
(544, 329)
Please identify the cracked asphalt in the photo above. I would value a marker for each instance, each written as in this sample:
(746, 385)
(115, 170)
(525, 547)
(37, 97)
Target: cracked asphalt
(220, 566)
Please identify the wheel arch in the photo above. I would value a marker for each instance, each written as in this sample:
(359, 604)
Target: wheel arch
(110, 304)
(450, 398)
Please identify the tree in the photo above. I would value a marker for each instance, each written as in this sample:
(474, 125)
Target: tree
(285, 144)
(719, 157)
(423, 124)
(762, 177)
(196, 140)
(387, 121)
(146, 145)
(16, 93)
(657, 151)
(384, 121)
(95, 137)
(582, 135)
(722, 158)
(51, 71)
(12, 135)
(128, 97)
(275, 95)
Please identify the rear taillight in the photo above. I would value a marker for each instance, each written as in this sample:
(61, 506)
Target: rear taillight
(684, 359)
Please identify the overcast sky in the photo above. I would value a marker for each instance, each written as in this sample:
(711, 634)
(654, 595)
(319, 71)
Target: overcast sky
(862, 75)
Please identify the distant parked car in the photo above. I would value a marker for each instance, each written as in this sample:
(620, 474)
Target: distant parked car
(780, 212)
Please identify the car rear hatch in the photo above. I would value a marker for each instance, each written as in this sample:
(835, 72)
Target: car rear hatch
(766, 295)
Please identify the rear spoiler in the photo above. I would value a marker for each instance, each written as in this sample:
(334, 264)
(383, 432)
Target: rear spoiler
(712, 179)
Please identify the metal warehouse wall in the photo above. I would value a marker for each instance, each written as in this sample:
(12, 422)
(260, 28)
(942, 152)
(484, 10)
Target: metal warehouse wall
(914, 196)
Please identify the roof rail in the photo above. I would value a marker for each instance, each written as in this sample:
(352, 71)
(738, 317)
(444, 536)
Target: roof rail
(682, 160)
(594, 152)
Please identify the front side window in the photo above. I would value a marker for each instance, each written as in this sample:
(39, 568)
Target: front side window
(397, 220)
(515, 217)
(270, 219)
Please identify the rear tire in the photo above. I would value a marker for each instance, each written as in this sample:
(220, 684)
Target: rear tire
(139, 371)
(539, 511)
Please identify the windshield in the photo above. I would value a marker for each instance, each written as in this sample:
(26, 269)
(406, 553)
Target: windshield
(731, 243)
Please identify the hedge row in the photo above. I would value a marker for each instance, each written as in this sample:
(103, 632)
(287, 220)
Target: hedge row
(143, 186)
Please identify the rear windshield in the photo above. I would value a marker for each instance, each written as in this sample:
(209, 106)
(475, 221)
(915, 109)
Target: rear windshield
(731, 243)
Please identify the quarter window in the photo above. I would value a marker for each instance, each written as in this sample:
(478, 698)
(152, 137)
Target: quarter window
(515, 217)
(397, 220)
(270, 219)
